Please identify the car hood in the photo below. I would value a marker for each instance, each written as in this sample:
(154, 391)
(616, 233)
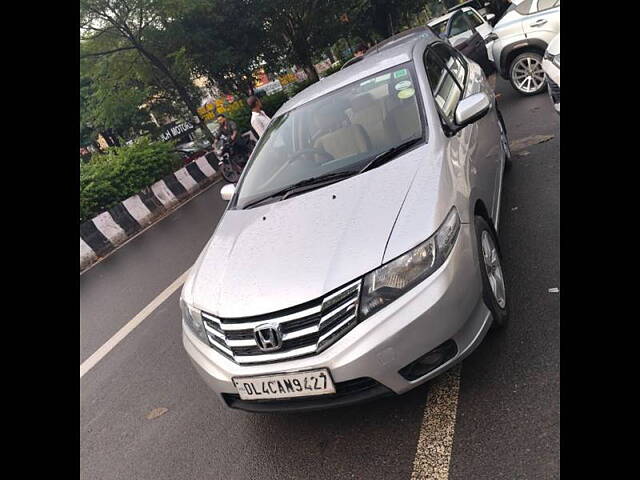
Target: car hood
(286, 253)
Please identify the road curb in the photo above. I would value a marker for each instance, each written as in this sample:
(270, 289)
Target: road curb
(105, 232)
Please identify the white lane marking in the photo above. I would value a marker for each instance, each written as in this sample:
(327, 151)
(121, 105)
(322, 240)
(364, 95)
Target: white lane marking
(433, 453)
(99, 354)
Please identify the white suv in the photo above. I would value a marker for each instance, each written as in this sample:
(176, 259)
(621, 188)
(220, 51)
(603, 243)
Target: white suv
(524, 32)
(457, 26)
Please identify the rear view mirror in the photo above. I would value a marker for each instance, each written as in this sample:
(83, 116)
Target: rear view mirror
(472, 108)
(227, 191)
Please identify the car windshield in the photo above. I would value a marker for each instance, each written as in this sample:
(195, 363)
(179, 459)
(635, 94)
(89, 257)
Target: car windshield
(341, 131)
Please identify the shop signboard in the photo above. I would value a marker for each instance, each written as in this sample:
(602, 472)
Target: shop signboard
(174, 130)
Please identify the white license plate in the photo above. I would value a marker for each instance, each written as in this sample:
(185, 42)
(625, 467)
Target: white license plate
(285, 385)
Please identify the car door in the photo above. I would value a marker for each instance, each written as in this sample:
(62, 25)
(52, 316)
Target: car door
(543, 21)
(462, 29)
(475, 19)
(461, 24)
(475, 148)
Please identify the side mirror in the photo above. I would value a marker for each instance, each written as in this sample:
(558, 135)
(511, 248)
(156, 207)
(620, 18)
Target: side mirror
(227, 191)
(472, 108)
(489, 16)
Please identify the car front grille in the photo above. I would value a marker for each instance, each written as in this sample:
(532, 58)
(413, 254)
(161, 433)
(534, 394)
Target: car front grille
(306, 329)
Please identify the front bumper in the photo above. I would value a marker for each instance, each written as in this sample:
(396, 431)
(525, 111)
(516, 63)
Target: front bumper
(554, 94)
(447, 305)
(552, 75)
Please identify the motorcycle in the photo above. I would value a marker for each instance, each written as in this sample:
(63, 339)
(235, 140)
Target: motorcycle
(230, 161)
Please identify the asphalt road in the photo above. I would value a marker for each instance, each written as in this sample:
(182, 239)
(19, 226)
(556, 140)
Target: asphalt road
(507, 423)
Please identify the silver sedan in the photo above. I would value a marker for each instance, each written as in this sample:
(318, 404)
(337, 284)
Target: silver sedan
(358, 256)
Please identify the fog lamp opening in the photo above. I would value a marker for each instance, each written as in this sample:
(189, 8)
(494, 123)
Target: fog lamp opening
(430, 361)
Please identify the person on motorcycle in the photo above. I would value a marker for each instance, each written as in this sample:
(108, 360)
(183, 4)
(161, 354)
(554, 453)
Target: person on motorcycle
(229, 128)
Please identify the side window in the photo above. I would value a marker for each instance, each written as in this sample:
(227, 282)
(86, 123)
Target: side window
(524, 8)
(443, 68)
(453, 60)
(473, 19)
(547, 4)
(459, 25)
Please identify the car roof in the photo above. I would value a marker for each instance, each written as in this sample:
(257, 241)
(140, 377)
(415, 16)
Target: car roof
(468, 3)
(448, 15)
(393, 51)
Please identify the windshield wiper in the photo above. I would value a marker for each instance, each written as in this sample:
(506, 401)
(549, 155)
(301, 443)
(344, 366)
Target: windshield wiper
(390, 154)
(309, 183)
(303, 185)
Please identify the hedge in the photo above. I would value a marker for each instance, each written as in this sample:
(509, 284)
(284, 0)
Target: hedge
(122, 172)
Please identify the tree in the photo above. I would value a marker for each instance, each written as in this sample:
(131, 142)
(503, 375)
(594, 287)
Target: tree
(113, 94)
(375, 20)
(223, 45)
(86, 129)
(301, 30)
(140, 26)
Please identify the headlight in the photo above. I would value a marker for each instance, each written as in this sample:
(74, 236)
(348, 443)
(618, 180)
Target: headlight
(384, 285)
(556, 60)
(191, 317)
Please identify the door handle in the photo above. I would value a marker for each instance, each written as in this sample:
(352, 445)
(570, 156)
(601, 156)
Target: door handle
(538, 23)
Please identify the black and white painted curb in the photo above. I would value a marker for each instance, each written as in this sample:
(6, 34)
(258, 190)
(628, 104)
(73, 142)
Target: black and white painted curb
(103, 233)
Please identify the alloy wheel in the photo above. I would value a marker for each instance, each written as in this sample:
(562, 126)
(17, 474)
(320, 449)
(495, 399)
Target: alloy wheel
(493, 268)
(527, 74)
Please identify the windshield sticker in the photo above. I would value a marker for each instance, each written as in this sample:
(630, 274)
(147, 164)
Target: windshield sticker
(367, 82)
(400, 73)
(406, 93)
(383, 78)
(403, 85)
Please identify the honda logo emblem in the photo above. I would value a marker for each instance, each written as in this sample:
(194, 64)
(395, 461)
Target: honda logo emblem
(268, 337)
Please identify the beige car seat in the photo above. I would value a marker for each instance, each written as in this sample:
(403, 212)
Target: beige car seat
(404, 119)
(371, 115)
(337, 136)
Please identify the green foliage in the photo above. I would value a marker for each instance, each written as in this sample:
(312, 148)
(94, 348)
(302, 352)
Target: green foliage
(121, 172)
(271, 103)
(298, 87)
(331, 70)
(139, 31)
(301, 31)
(242, 116)
(224, 46)
(118, 91)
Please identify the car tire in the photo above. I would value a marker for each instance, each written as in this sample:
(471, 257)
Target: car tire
(522, 80)
(494, 293)
(229, 174)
